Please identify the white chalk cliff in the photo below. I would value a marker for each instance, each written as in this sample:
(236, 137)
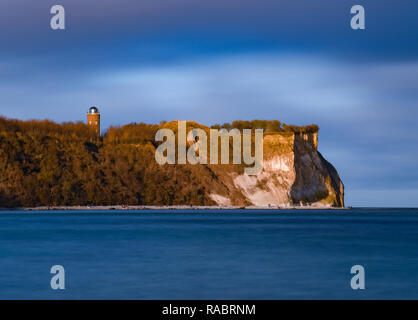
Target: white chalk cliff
(294, 173)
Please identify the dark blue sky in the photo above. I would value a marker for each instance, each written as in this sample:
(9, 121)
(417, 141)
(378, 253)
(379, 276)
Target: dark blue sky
(297, 61)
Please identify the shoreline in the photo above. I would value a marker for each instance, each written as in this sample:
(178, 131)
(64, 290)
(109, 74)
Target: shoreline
(178, 207)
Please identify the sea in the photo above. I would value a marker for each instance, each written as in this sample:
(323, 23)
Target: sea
(209, 254)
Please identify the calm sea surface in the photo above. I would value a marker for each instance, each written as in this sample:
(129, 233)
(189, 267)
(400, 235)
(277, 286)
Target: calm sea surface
(294, 254)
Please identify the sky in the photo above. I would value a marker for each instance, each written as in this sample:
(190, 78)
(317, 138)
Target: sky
(296, 61)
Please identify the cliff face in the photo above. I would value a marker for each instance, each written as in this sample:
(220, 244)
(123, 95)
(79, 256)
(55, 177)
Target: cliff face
(43, 163)
(294, 173)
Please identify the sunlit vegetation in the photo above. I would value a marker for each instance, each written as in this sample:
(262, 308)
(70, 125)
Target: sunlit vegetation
(267, 126)
(45, 163)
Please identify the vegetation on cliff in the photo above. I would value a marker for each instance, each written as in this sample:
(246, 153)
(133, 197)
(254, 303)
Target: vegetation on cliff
(45, 163)
(267, 126)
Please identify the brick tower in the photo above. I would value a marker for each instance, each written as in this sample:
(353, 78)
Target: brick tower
(93, 119)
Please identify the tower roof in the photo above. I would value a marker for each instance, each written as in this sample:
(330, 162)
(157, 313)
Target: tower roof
(93, 110)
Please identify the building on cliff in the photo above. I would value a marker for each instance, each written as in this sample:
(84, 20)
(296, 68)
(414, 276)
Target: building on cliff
(93, 119)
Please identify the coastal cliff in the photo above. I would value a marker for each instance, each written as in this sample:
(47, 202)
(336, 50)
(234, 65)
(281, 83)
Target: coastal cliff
(47, 164)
